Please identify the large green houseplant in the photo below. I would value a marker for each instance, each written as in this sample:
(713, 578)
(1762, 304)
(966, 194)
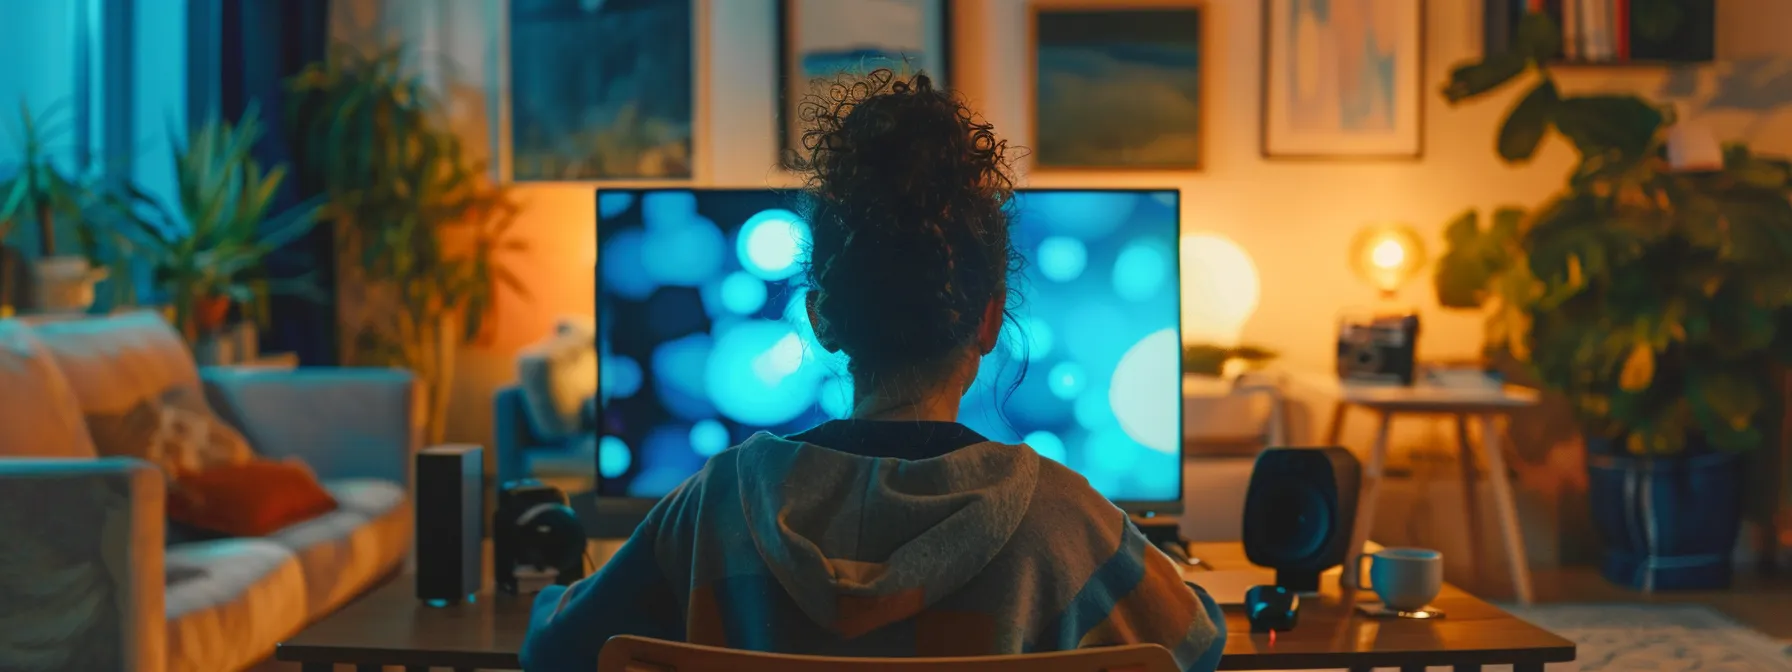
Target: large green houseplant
(421, 224)
(1653, 297)
(208, 253)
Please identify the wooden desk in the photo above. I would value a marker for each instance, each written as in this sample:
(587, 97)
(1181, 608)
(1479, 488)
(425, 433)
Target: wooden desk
(388, 626)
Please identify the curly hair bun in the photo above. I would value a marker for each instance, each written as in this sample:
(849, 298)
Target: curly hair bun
(907, 191)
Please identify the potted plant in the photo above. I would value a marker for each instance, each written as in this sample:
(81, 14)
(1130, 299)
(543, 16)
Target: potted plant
(1653, 297)
(420, 223)
(207, 254)
(40, 191)
(1206, 359)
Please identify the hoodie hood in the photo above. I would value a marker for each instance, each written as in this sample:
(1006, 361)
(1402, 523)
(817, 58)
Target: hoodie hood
(861, 542)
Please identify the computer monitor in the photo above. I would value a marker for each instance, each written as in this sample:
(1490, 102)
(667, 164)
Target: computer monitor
(705, 339)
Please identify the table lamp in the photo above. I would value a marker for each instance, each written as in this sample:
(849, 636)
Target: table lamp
(1219, 289)
(1387, 256)
(1379, 345)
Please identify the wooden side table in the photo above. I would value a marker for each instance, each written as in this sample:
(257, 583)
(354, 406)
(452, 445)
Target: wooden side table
(1482, 405)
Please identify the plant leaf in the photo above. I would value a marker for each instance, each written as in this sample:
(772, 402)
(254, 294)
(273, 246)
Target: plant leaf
(1528, 122)
(1475, 79)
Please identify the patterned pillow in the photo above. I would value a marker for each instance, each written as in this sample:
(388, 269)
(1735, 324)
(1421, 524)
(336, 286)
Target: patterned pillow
(175, 431)
(140, 392)
(557, 377)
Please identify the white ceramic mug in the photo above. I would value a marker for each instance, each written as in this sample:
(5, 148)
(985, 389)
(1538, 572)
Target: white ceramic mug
(1407, 579)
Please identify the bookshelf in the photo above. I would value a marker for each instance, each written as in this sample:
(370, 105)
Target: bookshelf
(1613, 33)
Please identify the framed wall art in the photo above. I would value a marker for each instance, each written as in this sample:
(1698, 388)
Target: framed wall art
(822, 39)
(1117, 84)
(1342, 79)
(601, 90)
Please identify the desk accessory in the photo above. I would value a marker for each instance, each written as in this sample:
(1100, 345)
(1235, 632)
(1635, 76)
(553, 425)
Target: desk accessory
(1272, 608)
(450, 509)
(1406, 579)
(535, 534)
(1379, 610)
(1378, 348)
(1299, 511)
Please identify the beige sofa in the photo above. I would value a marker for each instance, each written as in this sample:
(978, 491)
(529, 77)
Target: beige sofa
(92, 577)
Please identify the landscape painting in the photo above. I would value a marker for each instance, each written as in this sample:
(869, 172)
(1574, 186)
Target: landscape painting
(823, 39)
(600, 89)
(1341, 79)
(1117, 84)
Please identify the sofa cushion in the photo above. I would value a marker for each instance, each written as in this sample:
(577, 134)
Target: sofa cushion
(557, 376)
(345, 551)
(140, 393)
(230, 601)
(39, 414)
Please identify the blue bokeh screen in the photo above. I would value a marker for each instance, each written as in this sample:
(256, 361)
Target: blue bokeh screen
(705, 340)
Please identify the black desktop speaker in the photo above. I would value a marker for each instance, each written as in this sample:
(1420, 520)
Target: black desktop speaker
(1299, 512)
(533, 528)
(450, 533)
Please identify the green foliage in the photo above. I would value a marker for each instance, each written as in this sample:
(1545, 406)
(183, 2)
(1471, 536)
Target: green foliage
(1211, 360)
(39, 191)
(1654, 299)
(213, 245)
(420, 222)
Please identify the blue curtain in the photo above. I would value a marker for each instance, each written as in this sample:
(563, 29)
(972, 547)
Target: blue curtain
(261, 44)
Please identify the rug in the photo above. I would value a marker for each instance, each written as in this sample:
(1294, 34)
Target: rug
(1652, 638)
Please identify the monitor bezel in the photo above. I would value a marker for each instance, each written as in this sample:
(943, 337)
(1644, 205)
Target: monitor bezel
(617, 516)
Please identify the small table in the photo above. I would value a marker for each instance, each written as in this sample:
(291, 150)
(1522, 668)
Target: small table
(1485, 406)
(390, 627)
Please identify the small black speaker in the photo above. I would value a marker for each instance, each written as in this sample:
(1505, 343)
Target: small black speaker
(450, 533)
(1299, 512)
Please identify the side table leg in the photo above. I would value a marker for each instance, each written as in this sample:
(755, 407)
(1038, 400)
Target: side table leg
(1527, 667)
(1335, 430)
(1508, 509)
(1365, 505)
(1465, 454)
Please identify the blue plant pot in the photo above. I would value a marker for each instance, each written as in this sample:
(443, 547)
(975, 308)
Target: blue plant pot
(1668, 523)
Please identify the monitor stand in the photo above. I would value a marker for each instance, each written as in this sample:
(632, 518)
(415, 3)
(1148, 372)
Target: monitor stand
(1165, 533)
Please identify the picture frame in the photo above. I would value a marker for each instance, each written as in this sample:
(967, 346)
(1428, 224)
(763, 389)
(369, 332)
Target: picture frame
(585, 106)
(1118, 84)
(1316, 115)
(817, 38)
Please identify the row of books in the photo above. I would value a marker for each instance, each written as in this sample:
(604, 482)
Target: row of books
(1604, 31)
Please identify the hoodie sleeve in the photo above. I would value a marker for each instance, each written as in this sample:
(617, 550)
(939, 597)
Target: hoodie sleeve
(628, 596)
(1147, 602)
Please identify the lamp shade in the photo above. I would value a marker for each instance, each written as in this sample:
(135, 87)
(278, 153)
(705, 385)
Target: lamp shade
(1219, 289)
(1387, 256)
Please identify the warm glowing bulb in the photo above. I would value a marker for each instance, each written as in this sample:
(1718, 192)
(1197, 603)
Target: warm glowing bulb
(1388, 254)
(1219, 289)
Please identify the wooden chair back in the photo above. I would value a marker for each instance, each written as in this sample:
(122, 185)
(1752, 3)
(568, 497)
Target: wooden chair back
(627, 653)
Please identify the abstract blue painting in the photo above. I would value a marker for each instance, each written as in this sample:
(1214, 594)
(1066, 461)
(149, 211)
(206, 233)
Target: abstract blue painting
(1342, 78)
(600, 89)
(1117, 85)
(823, 39)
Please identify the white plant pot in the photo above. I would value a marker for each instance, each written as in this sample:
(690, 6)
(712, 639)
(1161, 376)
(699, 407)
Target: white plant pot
(65, 284)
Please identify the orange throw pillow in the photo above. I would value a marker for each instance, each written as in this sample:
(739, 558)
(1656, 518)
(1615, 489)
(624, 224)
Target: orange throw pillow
(252, 499)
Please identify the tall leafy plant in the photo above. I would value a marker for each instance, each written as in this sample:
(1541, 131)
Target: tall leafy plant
(38, 189)
(1655, 298)
(421, 225)
(209, 252)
